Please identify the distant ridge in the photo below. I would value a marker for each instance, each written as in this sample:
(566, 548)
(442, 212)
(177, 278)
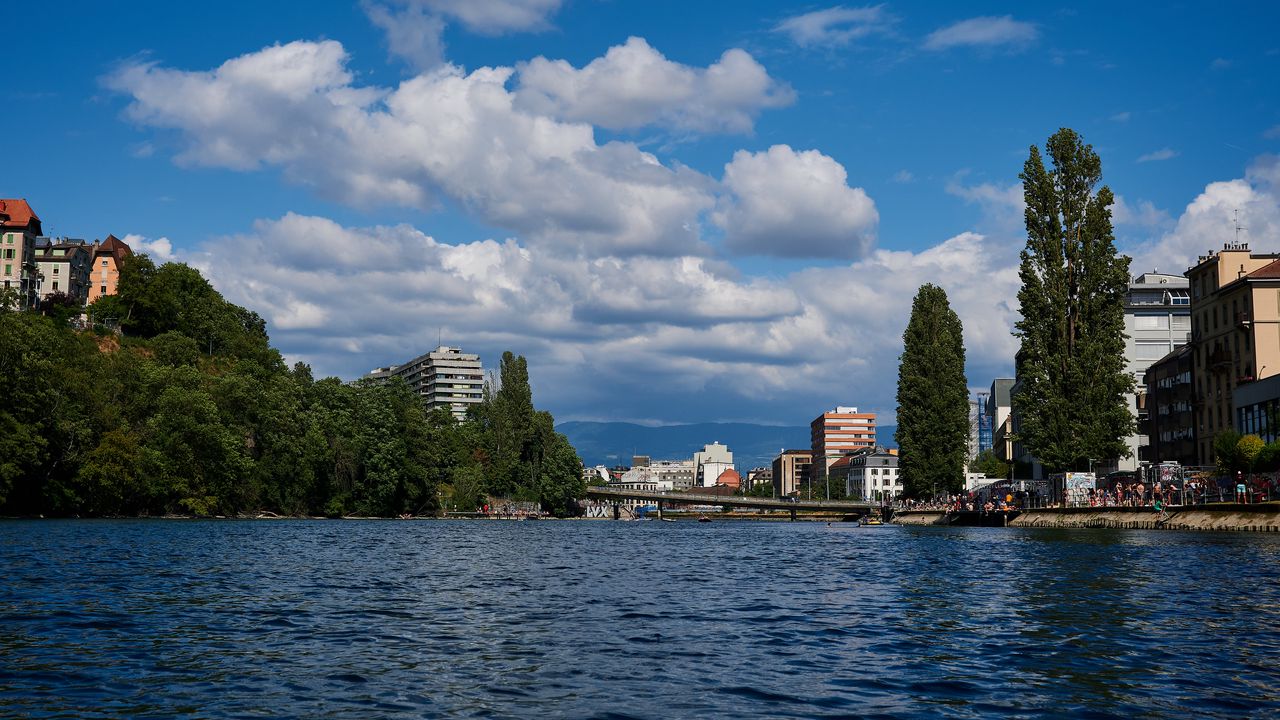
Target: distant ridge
(613, 443)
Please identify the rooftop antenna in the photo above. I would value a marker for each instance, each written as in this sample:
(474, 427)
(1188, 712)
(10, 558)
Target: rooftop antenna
(1236, 222)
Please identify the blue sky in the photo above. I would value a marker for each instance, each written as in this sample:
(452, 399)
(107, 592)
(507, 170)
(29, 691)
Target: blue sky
(676, 212)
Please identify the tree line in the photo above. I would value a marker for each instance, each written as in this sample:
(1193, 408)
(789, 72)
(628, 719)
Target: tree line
(191, 411)
(1070, 363)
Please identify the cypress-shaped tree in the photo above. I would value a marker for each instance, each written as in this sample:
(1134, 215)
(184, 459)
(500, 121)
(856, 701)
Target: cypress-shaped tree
(1070, 368)
(933, 398)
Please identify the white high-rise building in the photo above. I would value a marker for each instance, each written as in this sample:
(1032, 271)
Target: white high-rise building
(1157, 321)
(709, 462)
(445, 377)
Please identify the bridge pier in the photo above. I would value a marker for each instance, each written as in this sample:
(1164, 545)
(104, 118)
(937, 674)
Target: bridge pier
(617, 510)
(659, 509)
(793, 514)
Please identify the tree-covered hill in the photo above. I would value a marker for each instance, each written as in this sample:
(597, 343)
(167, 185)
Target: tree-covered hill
(192, 411)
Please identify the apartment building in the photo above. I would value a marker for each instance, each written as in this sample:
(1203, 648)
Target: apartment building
(1235, 333)
(19, 228)
(871, 475)
(1157, 321)
(791, 471)
(104, 277)
(445, 377)
(672, 474)
(62, 266)
(1170, 404)
(999, 404)
(710, 462)
(837, 433)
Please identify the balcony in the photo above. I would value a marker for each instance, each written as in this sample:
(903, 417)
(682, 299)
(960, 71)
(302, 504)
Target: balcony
(1219, 360)
(1244, 319)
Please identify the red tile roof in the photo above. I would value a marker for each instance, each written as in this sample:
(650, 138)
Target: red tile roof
(729, 477)
(113, 246)
(17, 213)
(1268, 271)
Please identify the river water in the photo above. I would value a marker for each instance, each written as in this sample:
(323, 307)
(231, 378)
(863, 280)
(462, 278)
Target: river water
(408, 619)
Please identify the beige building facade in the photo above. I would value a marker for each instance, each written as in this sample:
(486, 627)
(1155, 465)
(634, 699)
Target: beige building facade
(104, 276)
(791, 471)
(1235, 333)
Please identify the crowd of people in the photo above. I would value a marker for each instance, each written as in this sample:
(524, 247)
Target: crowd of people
(972, 502)
(1192, 491)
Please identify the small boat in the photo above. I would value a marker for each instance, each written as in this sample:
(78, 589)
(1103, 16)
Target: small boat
(704, 518)
(871, 521)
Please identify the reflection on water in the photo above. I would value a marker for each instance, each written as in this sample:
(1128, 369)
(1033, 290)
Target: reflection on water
(576, 619)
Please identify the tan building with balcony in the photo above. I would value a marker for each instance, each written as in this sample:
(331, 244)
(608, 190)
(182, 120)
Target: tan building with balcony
(791, 471)
(1235, 333)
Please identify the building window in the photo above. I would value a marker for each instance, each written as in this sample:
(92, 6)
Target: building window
(1151, 321)
(1179, 297)
(103, 290)
(55, 286)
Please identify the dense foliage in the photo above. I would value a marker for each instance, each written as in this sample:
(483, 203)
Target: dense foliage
(1071, 363)
(933, 398)
(192, 411)
(1233, 452)
(989, 464)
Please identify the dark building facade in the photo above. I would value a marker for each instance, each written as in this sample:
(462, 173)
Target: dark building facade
(1171, 404)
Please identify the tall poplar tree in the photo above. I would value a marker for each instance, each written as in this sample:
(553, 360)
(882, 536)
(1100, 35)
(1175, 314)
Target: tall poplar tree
(933, 398)
(1070, 368)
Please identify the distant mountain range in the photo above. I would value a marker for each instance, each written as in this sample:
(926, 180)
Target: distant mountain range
(614, 443)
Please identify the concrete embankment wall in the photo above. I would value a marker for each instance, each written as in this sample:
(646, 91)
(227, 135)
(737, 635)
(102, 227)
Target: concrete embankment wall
(1221, 516)
(919, 517)
(1226, 516)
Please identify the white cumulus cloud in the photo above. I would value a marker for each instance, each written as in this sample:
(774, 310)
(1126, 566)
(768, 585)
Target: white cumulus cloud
(794, 204)
(447, 133)
(634, 85)
(415, 28)
(676, 338)
(1209, 221)
(159, 249)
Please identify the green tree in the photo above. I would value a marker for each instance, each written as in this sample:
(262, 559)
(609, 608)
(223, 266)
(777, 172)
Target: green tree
(511, 428)
(110, 478)
(1071, 363)
(1269, 458)
(174, 349)
(988, 464)
(933, 398)
(467, 482)
(1248, 448)
(61, 307)
(1226, 451)
(46, 418)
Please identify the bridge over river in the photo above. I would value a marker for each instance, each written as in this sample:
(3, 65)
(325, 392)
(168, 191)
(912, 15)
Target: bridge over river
(666, 499)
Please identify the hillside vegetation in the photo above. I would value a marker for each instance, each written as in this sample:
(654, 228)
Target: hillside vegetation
(191, 411)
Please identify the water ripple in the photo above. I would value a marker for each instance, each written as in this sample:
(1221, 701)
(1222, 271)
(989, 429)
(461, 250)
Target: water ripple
(350, 619)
